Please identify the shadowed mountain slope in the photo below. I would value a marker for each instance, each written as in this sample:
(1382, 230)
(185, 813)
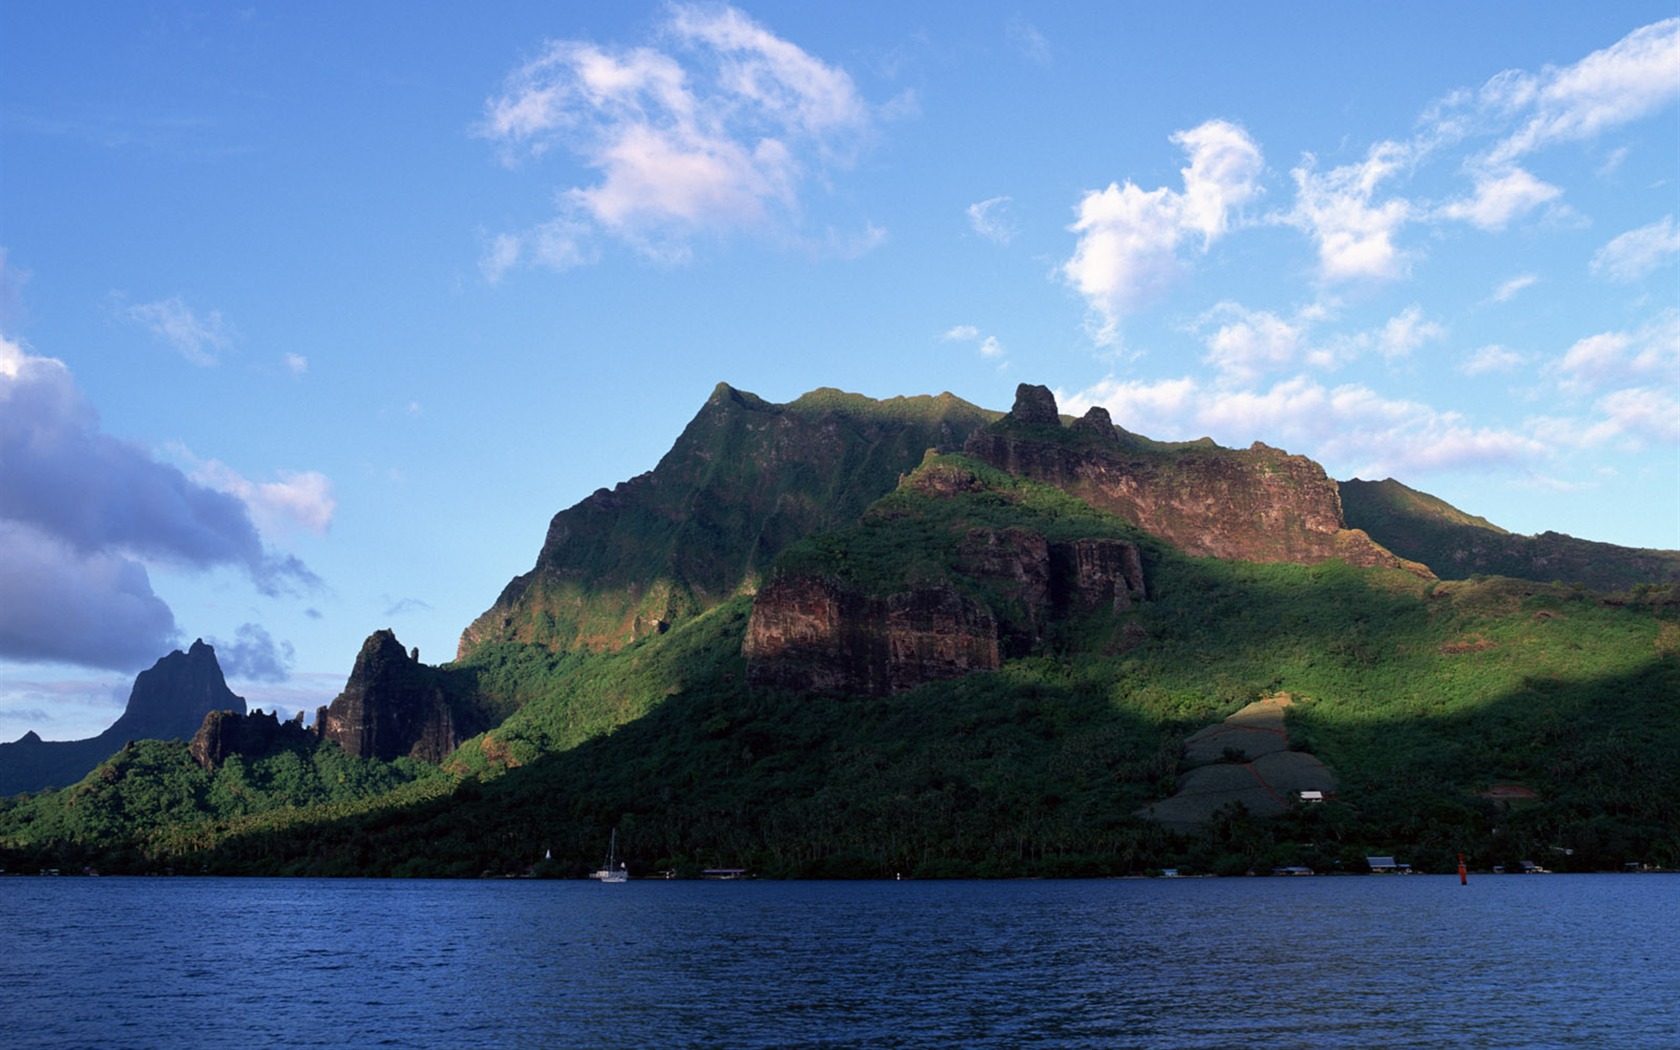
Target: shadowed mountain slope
(1456, 545)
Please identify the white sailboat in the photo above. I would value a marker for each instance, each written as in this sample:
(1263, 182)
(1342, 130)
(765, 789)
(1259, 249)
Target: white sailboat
(613, 870)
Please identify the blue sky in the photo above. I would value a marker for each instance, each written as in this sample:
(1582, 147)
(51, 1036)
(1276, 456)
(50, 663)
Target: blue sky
(311, 315)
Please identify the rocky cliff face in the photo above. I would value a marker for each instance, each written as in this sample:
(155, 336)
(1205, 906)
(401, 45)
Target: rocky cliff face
(169, 701)
(394, 706)
(814, 633)
(745, 479)
(1259, 504)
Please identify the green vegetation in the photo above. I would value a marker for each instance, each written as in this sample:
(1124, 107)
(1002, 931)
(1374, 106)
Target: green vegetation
(1422, 697)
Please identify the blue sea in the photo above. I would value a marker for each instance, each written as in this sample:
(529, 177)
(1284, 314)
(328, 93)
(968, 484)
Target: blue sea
(1397, 961)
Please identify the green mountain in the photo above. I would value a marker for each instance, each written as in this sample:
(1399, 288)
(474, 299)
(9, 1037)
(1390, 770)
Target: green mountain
(1003, 645)
(1456, 545)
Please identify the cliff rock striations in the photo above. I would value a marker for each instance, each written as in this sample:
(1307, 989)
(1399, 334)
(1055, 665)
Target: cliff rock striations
(745, 479)
(1259, 504)
(169, 701)
(954, 596)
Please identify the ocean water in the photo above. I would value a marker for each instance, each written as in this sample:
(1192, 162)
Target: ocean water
(1400, 961)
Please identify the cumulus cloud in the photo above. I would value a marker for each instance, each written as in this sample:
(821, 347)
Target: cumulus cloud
(68, 605)
(1128, 247)
(198, 338)
(1247, 344)
(84, 512)
(990, 219)
(1340, 211)
(1244, 345)
(720, 134)
(254, 655)
(1637, 253)
(1644, 356)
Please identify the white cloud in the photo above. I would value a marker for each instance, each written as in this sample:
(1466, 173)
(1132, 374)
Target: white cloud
(296, 364)
(1640, 415)
(989, 346)
(1508, 289)
(1501, 197)
(1250, 343)
(1350, 429)
(1637, 253)
(197, 338)
(1633, 78)
(989, 218)
(1223, 175)
(298, 500)
(1355, 236)
(1127, 251)
(1650, 354)
(1491, 358)
(1407, 331)
(721, 135)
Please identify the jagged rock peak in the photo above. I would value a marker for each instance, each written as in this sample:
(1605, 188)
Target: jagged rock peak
(1098, 422)
(1035, 405)
(169, 701)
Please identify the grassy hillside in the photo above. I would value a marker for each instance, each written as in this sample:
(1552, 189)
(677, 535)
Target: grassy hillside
(1456, 545)
(1422, 697)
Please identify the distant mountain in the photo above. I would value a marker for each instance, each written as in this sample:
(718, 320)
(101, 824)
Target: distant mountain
(168, 702)
(1456, 545)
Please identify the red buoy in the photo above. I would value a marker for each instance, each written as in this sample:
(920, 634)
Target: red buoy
(1463, 876)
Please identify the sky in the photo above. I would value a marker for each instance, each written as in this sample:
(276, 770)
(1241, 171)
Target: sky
(313, 314)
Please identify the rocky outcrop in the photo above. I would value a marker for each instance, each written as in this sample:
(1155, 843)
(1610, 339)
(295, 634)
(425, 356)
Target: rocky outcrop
(169, 701)
(1259, 504)
(394, 706)
(227, 733)
(811, 632)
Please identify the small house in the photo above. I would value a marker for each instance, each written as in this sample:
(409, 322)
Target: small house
(1387, 866)
(1312, 796)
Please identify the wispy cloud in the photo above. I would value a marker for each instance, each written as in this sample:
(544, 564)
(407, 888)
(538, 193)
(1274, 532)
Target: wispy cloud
(721, 133)
(1637, 253)
(197, 337)
(1508, 290)
(1025, 38)
(990, 219)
